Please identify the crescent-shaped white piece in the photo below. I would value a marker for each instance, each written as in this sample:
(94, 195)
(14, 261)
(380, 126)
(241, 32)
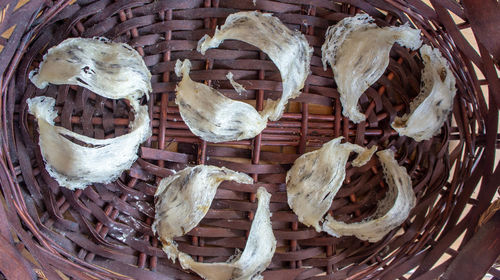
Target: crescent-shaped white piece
(75, 160)
(183, 199)
(392, 211)
(358, 52)
(112, 70)
(430, 109)
(254, 259)
(289, 50)
(315, 178)
(211, 115)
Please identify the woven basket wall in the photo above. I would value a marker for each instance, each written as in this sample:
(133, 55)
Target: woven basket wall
(104, 231)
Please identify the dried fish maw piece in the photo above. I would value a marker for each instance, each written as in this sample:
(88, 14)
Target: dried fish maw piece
(254, 259)
(289, 50)
(315, 178)
(211, 115)
(112, 70)
(74, 160)
(184, 198)
(358, 52)
(238, 87)
(430, 109)
(391, 211)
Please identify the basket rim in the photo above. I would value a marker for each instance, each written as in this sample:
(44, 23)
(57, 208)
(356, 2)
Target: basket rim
(478, 142)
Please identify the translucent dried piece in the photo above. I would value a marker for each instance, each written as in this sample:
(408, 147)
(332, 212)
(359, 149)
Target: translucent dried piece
(358, 52)
(315, 178)
(184, 198)
(238, 87)
(76, 161)
(392, 211)
(430, 109)
(289, 50)
(211, 115)
(112, 70)
(254, 259)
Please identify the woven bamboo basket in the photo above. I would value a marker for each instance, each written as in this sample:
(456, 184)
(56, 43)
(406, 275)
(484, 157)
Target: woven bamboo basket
(103, 232)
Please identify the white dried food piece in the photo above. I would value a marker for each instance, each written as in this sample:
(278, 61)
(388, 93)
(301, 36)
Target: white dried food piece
(238, 87)
(391, 211)
(112, 70)
(211, 115)
(430, 109)
(254, 259)
(358, 52)
(315, 178)
(289, 50)
(183, 199)
(75, 161)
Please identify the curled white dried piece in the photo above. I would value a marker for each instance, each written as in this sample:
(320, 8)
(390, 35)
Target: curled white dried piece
(289, 50)
(392, 211)
(211, 115)
(429, 110)
(112, 70)
(254, 259)
(184, 198)
(315, 178)
(75, 160)
(238, 87)
(358, 52)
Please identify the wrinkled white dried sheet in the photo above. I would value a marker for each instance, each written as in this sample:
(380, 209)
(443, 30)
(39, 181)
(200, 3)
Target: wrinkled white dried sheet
(289, 50)
(430, 109)
(75, 165)
(211, 115)
(254, 259)
(184, 198)
(392, 211)
(112, 70)
(315, 178)
(358, 52)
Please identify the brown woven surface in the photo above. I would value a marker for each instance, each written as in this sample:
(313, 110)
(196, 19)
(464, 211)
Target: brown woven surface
(104, 231)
